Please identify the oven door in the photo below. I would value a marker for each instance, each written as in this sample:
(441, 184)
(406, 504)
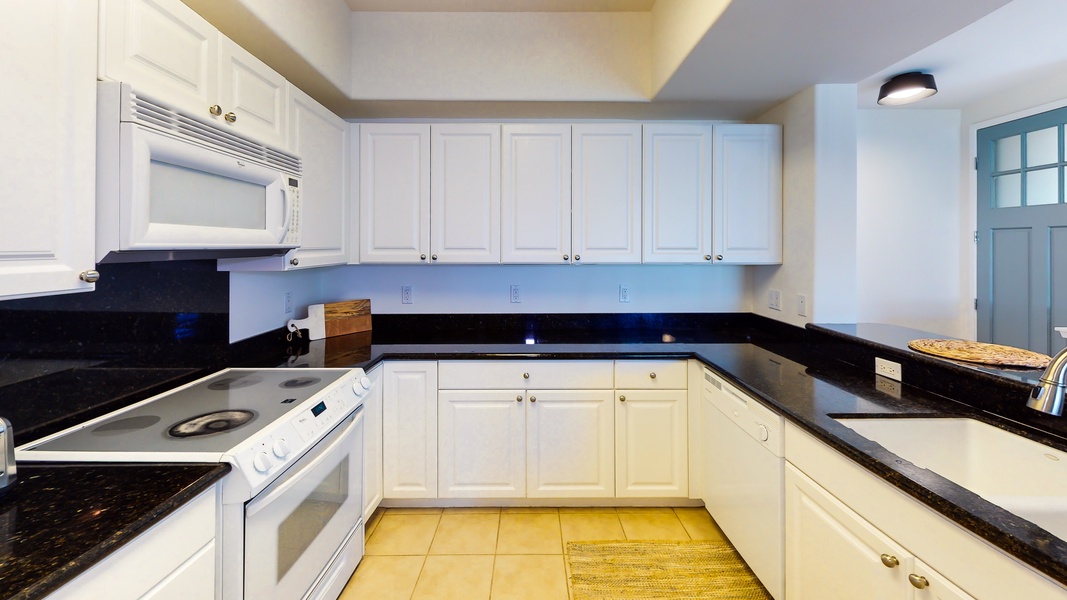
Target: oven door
(294, 527)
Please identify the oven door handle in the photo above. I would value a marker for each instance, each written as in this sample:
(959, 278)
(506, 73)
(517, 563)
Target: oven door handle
(297, 470)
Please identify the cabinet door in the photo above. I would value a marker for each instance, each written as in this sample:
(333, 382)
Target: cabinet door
(570, 444)
(481, 444)
(465, 193)
(606, 194)
(253, 97)
(931, 585)
(832, 553)
(394, 193)
(676, 223)
(651, 444)
(372, 444)
(747, 194)
(164, 49)
(536, 194)
(48, 111)
(409, 429)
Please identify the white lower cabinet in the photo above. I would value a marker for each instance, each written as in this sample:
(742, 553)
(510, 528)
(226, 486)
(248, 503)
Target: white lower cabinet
(481, 444)
(651, 436)
(372, 443)
(409, 429)
(570, 444)
(174, 559)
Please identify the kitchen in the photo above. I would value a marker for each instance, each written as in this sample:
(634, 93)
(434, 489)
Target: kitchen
(824, 166)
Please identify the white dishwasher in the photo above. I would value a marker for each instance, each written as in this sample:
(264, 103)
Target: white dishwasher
(743, 478)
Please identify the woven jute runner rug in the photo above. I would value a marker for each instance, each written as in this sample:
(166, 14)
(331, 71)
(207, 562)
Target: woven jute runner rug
(660, 570)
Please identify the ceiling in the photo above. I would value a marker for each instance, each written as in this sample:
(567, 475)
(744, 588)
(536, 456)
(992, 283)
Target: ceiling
(501, 5)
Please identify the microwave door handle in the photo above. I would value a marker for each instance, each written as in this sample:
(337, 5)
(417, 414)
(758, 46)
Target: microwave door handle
(287, 206)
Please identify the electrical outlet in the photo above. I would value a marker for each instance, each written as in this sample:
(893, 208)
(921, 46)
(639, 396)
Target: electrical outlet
(802, 305)
(516, 294)
(774, 300)
(624, 292)
(887, 386)
(406, 296)
(887, 368)
(288, 303)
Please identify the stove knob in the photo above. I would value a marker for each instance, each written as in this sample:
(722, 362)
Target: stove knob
(360, 386)
(262, 462)
(281, 449)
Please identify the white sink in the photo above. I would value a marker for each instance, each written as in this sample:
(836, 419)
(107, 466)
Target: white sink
(1020, 475)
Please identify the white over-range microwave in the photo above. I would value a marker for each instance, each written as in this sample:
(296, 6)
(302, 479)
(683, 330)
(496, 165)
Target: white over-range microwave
(170, 185)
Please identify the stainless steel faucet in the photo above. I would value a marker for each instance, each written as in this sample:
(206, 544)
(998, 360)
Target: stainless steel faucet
(1048, 395)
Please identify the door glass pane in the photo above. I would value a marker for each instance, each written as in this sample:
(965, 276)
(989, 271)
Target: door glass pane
(303, 525)
(1042, 186)
(1007, 191)
(1042, 147)
(182, 196)
(1008, 154)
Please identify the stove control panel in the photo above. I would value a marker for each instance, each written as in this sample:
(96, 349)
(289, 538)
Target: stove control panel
(265, 457)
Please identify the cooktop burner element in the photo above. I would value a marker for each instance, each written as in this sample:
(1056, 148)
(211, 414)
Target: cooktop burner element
(299, 382)
(234, 383)
(209, 423)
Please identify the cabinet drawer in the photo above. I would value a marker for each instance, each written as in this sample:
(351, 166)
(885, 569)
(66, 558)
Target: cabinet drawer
(526, 374)
(650, 374)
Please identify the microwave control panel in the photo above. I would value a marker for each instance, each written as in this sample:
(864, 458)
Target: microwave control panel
(292, 236)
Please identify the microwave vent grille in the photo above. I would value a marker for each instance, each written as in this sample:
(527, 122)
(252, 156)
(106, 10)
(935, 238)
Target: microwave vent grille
(167, 119)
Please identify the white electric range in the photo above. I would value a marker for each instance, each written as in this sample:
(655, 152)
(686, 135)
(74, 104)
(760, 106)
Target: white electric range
(291, 516)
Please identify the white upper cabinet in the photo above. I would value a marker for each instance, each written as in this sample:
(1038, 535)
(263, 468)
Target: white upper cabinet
(48, 111)
(465, 193)
(676, 215)
(747, 194)
(394, 193)
(536, 194)
(171, 54)
(606, 193)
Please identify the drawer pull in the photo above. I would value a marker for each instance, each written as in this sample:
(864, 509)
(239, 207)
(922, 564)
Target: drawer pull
(890, 561)
(652, 375)
(918, 581)
(525, 375)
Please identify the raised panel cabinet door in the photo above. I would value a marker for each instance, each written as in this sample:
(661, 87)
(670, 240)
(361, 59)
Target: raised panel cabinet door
(676, 204)
(481, 444)
(164, 50)
(747, 194)
(372, 444)
(253, 97)
(832, 553)
(320, 139)
(536, 194)
(409, 429)
(931, 585)
(465, 193)
(570, 448)
(651, 444)
(394, 193)
(606, 193)
(48, 112)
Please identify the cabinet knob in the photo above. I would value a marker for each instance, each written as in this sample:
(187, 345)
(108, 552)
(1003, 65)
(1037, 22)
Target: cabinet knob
(652, 375)
(718, 257)
(890, 561)
(707, 257)
(215, 109)
(577, 257)
(533, 398)
(294, 261)
(518, 398)
(525, 375)
(918, 581)
(566, 257)
(622, 398)
(89, 276)
(434, 257)
(230, 117)
(422, 257)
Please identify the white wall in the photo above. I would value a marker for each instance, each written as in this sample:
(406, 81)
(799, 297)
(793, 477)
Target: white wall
(501, 56)
(908, 222)
(256, 299)
(677, 27)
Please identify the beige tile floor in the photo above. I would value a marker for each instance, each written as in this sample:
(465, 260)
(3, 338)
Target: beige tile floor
(499, 553)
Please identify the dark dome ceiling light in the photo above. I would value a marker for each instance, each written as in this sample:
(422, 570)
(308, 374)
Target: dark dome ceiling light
(906, 88)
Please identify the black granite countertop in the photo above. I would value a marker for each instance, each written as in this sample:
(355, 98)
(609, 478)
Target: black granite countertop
(61, 518)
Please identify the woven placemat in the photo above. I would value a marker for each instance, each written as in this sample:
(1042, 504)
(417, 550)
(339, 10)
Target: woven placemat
(660, 570)
(981, 353)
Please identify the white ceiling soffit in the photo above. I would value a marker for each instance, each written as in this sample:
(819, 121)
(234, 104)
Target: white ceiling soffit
(761, 52)
(501, 5)
(1019, 43)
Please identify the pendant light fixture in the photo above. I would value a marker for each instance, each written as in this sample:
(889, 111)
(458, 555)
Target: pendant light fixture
(906, 88)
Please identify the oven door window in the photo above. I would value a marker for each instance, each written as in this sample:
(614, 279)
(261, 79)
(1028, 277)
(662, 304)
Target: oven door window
(295, 526)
